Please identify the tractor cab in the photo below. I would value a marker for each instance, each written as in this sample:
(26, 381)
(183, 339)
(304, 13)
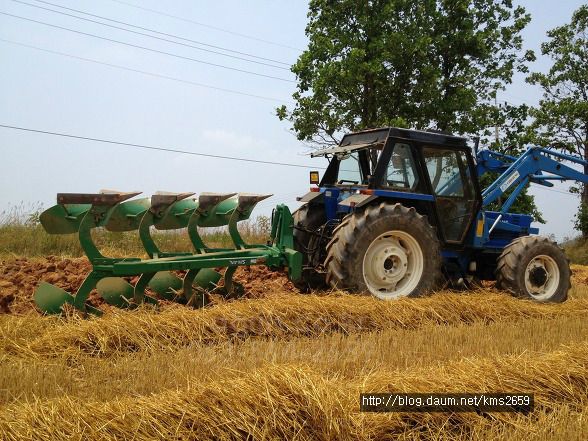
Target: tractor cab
(398, 212)
(432, 172)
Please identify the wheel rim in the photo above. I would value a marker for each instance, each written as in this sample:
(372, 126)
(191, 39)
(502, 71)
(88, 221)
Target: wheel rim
(542, 277)
(393, 265)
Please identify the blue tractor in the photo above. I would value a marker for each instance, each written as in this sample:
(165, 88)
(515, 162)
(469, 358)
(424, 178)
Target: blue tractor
(399, 213)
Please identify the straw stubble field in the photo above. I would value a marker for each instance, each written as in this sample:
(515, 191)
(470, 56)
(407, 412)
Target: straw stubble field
(280, 365)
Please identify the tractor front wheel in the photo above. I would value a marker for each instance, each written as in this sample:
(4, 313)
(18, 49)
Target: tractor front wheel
(535, 268)
(390, 251)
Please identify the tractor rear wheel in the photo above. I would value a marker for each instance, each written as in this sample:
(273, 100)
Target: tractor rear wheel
(390, 251)
(307, 219)
(536, 268)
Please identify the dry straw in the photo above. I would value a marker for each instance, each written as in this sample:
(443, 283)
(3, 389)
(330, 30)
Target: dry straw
(293, 402)
(273, 317)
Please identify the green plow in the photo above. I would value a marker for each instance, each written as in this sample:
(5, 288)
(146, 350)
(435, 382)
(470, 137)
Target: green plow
(118, 211)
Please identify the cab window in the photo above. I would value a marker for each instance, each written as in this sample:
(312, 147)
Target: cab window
(454, 190)
(401, 173)
(350, 171)
(445, 172)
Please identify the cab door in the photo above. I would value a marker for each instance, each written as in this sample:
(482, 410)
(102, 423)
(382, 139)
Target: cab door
(454, 190)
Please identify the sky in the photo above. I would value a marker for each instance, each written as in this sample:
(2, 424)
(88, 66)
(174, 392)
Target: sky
(175, 101)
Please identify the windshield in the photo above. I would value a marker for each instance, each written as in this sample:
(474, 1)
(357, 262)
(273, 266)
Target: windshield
(355, 167)
(349, 170)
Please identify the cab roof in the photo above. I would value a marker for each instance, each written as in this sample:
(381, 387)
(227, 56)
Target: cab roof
(373, 137)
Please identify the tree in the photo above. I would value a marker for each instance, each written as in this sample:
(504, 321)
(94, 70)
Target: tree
(425, 64)
(429, 64)
(562, 117)
(514, 135)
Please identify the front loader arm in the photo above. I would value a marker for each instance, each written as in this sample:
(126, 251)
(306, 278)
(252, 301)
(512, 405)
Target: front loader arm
(529, 167)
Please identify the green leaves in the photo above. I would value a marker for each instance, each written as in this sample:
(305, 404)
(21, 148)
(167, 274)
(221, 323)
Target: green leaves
(561, 120)
(426, 64)
(562, 116)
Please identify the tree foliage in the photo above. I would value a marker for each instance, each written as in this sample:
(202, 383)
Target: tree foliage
(429, 64)
(424, 64)
(514, 135)
(561, 120)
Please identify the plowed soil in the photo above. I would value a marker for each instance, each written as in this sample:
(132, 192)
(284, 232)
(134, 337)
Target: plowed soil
(19, 277)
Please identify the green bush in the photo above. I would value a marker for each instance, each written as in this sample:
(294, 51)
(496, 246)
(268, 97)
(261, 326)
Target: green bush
(577, 251)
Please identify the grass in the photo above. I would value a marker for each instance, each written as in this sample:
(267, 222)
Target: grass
(33, 241)
(21, 235)
(297, 402)
(279, 316)
(292, 367)
(577, 251)
(347, 356)
(561, 422)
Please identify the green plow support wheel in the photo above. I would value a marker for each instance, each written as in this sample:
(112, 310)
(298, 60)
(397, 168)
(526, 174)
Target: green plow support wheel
(202, 283)
(50, 300)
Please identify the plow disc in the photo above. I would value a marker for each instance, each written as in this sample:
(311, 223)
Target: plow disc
(50, 299)
(166, 285)
(116, 291)
(117, 211)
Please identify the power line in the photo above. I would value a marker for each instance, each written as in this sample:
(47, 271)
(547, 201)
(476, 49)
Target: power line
(185, 152)
(157, 148)
(554, 190)
(169, 35)
(156, 32)
(143, 72)
(187, 20)
(147, 48)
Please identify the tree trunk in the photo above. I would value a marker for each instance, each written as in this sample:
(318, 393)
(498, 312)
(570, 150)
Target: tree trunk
(367, 116)
(584, 199)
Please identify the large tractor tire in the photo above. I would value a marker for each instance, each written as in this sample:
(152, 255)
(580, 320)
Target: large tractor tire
(390, 251)
(307, 219)
(534, 267)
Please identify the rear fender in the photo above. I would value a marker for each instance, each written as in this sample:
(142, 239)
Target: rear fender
(311, 196)
(357, 200)
(424, 208)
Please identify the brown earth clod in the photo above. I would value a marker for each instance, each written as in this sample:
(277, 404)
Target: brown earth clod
(19, 278)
